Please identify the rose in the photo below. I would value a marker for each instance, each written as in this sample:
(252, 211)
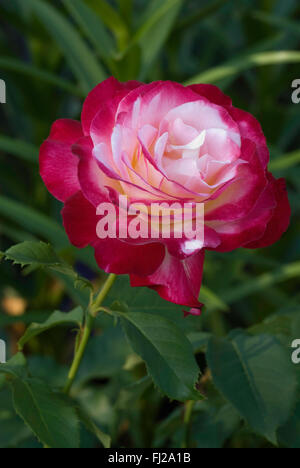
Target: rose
(164, 141)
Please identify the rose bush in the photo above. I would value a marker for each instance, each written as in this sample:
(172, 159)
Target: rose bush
(165, 142)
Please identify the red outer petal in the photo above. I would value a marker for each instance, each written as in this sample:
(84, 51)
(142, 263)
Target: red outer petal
(172, 94)
(251, 129)
(251, 227)
(100, 96)
(80, 220)
(280, 220)
(112, 255)
(91, 178)
(66, 131)
(115, 256)
(177, 281)
(192, 312)
(58, 165)
(212, 93)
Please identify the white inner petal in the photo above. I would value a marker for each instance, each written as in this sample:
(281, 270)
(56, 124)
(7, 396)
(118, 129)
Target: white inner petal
(195, 144)
(136, 113)
(101, 152)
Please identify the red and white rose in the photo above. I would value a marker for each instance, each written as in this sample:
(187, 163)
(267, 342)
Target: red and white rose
(165, 142)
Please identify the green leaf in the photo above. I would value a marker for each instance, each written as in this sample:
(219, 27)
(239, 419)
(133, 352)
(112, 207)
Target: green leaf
(283, 326)
(199, 340)
(289, 434)
(34, 221)
(92, 427)
(148, 301)
(12, 429)
(112, 19)
(80, 58)
(128, 64)
(166, 428)
(39, 254)
(33, 253)
(200, 14)
(27, 318)
(92, 26)
(18, 67)
(21, 149)
(234, 68)
(104, 357)
(256, 375)
(77, 291)
(50, 416)
(261, 283)
(167, 352)
(211, 300)
(125, 9)
(57, 319)
(47, 369)
(159, 19)
(140, 299)
(16, 367)
(131, 393)
(43, 226)
(286, 161)
(287, 24)
(212, 426)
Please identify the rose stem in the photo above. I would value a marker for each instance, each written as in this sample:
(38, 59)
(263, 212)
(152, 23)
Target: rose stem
(90, 319)
(189, 406)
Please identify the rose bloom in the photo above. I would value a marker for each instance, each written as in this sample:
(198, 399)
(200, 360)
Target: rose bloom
(165, 142)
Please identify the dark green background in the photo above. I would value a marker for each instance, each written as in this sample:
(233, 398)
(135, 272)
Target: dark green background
(251, 50)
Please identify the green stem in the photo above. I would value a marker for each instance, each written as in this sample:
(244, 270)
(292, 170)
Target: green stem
(90, 319)
(189, 406)
(103, 293)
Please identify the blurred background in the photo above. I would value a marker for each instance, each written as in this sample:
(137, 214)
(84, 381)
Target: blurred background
(52, 53)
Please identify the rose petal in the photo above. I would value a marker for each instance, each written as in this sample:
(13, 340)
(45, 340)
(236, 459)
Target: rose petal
(280, 220)
(116, 256)
(238, 233)
(194, 312)
(100, 96)
(212, 93)
(93, 181)
(251, 129)
(244, 190)
(178, 281)
(80, 220)
(58, 165)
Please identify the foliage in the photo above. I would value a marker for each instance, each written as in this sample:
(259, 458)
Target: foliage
(144, 360)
